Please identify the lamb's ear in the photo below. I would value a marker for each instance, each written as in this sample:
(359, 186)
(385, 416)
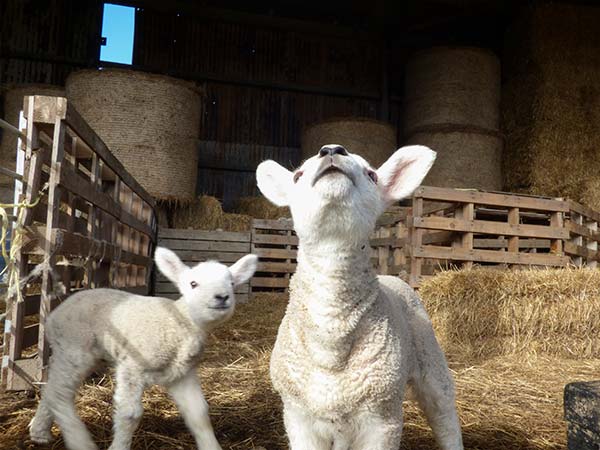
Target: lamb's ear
(243, 269)
(169, 264)
(274, 181)
(404, 171)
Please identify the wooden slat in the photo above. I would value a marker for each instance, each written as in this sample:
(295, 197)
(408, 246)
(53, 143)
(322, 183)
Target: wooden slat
(486, 198)
(78, 185)
(274, 239)
(269, 282)
(274, 253)
(220, 246)
(503, 243)
(583, 210)
(581, 251)
(488, 227)
(264, 224)
(582, 230)
(491, 256)
(197, 256)
(227, 236)
(276, 267)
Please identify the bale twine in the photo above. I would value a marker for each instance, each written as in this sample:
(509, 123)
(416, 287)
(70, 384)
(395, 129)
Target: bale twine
(464, 160)
(551, 102)
(452, 105)
(13, 103)
(372, 139)
(150, 122)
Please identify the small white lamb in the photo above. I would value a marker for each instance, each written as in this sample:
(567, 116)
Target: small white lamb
(149, 340)
(350, 341)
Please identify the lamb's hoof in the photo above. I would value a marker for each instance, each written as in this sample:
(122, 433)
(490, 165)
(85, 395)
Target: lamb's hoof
(40, 436)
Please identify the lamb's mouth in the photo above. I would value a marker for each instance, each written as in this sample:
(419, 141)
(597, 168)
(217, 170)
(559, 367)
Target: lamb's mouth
(331, 169)
(220, 307)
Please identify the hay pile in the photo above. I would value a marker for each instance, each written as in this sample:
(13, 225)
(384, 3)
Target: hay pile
(206, 213)
(551, 102)
(261, 208)
(513, 401)
(482, 313)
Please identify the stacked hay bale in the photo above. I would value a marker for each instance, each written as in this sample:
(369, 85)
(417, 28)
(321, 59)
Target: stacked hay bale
(372, 139)
(150, 122)
(551, 102)
(452, 102)
(13, 103)
(206, 213)
(485, 313)
(261, 208)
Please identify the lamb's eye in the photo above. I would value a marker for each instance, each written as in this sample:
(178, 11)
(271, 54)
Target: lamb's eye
(297, 175)
(193, 284)
(372, 175)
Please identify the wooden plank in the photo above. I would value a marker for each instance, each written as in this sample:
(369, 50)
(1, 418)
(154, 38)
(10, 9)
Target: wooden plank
(490, 199)
(275, 253)
(276, 267)
(579, 251)
(264, 224)
(24, 372)
(274, 239)
(218, 246)
(197, 256)
(488, 227)
(54, 196)
(269, 282)
(503, 243)
(180, 233)
(491, 256)
(415, 236)
(592, 244)
(583, 210)
(75, 183)
(582, 230)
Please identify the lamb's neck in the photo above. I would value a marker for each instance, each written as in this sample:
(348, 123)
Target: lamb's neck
(331, 292)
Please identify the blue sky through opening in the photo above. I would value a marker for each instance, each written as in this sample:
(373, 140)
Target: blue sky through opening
(118, 25)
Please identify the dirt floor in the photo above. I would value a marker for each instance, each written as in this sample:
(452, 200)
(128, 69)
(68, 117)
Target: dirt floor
(504, 403)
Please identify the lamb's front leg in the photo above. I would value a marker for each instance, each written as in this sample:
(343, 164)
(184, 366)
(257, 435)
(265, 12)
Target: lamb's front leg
(302, 430)
(128, 407)
(190, 400)
(375, 432)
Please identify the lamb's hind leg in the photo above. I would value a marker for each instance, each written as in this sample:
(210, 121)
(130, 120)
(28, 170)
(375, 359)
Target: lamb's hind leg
(41, 425)
(64, 377)
(434, 389)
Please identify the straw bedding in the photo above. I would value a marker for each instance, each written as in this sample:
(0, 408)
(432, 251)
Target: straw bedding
(512, 401)
(551, 102)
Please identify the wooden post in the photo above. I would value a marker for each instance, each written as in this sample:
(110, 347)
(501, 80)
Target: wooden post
(577, 240)
(54, 195)
(557, 220)
(513, 219)
(592, 243)
(416, 242)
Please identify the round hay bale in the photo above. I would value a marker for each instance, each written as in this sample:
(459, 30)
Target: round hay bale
(13, 103)
(150, 123)
(453, 106)
(464, 160)
(372, 139)
(452, 85)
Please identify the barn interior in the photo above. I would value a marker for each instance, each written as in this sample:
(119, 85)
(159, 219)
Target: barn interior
(507, 93)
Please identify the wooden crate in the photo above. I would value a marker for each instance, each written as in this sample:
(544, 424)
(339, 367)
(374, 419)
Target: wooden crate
(94, 226)
(194, 246)
(276, 244)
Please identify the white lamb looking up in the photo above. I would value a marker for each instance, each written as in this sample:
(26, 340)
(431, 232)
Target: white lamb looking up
(149, 340)
(351, 341)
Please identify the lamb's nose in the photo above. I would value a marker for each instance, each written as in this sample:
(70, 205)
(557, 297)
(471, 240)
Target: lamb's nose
(332, 150)
(222, 299)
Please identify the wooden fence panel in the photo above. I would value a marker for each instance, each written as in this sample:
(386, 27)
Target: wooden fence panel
(94, 226)
(194, 246)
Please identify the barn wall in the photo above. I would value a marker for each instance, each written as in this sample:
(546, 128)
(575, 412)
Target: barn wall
(42, 41)
(263, 85)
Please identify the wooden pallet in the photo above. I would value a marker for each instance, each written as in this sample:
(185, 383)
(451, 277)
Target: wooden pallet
(276, 244)
(94, 227)
(194, 246)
